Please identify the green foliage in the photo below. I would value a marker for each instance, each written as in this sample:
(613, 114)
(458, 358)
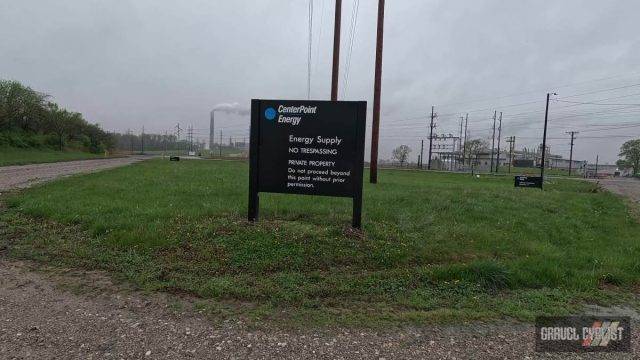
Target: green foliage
(630, 151)
(23, 156)
(29, 120)
(435, 246)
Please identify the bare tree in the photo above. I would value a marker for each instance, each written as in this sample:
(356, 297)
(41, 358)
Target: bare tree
(401, 153)
(474, 147)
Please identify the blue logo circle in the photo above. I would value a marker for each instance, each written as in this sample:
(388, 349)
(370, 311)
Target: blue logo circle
(270, 113)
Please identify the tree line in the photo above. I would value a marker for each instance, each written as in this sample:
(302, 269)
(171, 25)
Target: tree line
(29, 119)
(133, 143)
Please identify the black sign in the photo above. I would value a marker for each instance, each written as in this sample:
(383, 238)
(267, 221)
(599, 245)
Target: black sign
(528, 181)
(309, 148)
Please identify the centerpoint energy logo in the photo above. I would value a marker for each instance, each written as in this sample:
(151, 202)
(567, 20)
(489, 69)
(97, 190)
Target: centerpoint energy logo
(291, 115)
(270, 113)
(583, 334)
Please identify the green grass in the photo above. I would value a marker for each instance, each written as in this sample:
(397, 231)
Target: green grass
(435, 246)
(16, 156)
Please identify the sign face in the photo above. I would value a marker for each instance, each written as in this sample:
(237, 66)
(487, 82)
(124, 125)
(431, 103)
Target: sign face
(528, 181)
(307, 147)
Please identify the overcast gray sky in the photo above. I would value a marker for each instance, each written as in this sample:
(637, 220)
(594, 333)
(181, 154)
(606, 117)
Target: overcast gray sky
(127, 64)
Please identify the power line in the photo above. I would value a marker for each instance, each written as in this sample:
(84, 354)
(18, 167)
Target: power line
(352, 35)
(310, 49)
(534, 102)
(593, 103)
(319, 36)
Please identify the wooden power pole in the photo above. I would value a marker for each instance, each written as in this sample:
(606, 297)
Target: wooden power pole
(464, 146)
(375, 126)
(431, 126)
(511, 141)
(573, 137)
(499, 137)
(544, 138)
(493, 138)
(336, 51)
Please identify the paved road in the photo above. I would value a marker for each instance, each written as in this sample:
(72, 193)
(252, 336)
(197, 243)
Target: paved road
(628, 187)
(13, 177)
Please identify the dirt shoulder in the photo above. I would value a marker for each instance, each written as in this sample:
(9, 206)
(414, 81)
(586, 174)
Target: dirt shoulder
(83, 315)
(16, 177)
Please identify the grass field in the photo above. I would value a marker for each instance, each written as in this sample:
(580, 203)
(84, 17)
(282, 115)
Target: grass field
(14, 156)
(435, 246)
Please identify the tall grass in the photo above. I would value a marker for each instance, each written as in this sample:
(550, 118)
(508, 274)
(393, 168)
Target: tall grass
(433, 245)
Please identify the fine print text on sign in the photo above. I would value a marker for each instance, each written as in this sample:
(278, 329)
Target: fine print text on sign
(528, 181)
(309, 148)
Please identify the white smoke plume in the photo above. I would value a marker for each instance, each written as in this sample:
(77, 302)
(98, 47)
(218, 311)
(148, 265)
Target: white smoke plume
(232, 108)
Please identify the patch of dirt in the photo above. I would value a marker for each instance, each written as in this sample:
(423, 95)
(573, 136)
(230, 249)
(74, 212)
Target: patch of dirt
(58, 314)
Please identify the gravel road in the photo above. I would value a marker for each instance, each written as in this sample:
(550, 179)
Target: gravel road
(14, 177)
(628, 187)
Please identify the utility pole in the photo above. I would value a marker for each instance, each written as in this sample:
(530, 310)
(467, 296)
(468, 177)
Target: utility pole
(177, 127)
(544, 138)
(596, 174)
(336, 51)
(493, 138)
(573, 136)
(375, 125)
(511, 141)
(421, 153)
(178, 132)
(460, 141)
(464, 146)
(220, 145)
(142, 142)
(431, 126)
(499, 137)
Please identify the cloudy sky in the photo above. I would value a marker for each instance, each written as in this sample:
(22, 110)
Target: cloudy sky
(131, 63)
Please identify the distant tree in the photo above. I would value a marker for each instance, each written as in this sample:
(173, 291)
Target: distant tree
(623, 164)
(401, 153)
(474, 147)
(630, 155)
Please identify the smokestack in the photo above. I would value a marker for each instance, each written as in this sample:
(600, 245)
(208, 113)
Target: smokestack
(228, 108)
(211, 131)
